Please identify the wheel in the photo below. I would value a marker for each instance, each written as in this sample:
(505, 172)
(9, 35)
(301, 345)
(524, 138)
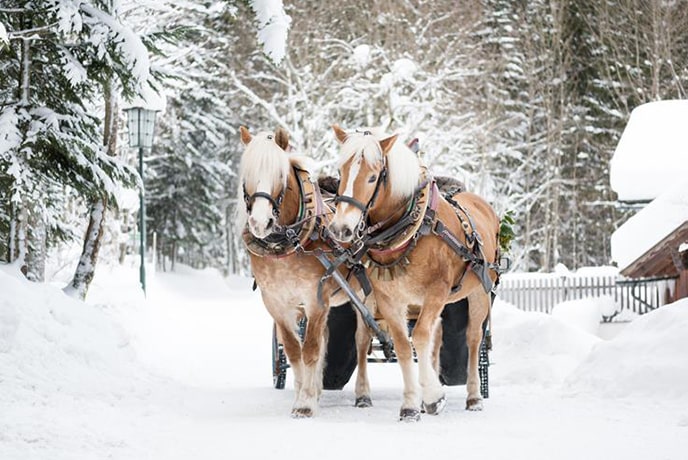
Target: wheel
(279, 362)
(483, 367)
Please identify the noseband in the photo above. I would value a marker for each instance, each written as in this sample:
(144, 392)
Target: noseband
(382, 178)
(276, 203)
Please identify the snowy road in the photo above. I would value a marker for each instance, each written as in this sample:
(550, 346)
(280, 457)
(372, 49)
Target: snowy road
(187, 376)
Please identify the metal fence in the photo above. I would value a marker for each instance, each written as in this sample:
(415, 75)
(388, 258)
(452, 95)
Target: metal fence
(543, 292)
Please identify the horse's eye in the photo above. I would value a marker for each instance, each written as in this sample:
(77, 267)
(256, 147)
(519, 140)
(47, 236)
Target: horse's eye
(372, 179)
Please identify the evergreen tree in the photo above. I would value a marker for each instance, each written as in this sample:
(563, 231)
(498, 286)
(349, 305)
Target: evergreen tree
(60, 53)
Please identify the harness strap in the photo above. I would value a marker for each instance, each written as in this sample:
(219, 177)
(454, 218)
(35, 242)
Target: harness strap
(276, 203)
(350, 200)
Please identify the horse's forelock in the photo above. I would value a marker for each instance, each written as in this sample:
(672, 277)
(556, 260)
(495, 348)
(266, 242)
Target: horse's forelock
(403, 167)
(358, 144)
(264, 159)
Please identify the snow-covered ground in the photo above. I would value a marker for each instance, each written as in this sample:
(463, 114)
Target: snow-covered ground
(185, 374)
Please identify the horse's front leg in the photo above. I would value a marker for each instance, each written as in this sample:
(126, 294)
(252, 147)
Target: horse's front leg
(363, 337)
(395, 315)
(312, 352)
(478, 309)
(424, 336)
(286, 320)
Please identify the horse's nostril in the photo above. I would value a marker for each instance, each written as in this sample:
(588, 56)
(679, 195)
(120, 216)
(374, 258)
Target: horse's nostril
(270, 223)
(348, 233)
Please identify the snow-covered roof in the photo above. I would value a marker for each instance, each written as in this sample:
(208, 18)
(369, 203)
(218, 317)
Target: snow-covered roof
(652, 224)
(653, 151)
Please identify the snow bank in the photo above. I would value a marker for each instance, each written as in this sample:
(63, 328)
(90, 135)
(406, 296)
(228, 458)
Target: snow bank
(535, 348)
(586, 313)
(59, 356)
(50, 342)
(648, 358)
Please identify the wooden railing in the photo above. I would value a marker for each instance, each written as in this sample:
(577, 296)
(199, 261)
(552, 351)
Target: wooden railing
(543, 291)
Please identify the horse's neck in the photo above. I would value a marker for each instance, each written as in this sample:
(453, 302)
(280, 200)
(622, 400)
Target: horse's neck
(291, 203)
(388, 210)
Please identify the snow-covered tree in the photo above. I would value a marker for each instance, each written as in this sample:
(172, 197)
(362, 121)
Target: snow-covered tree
(61, 54)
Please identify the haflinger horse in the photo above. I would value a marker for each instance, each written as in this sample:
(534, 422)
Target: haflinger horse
(422, 250)
(282, 215)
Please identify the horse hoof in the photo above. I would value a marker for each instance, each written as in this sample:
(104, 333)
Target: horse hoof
(364, 401)
(474, 404)
(409, 415)
(303, 412)
(436, 407)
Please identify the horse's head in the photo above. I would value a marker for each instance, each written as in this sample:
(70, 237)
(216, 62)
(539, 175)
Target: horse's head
(363, 174)
(264, 170)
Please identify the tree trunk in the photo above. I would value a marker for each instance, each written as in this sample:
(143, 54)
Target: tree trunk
(37, 244)
(85, 270)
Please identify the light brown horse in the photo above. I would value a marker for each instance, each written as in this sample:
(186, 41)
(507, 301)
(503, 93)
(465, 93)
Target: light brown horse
(449, 254)
(282, 207)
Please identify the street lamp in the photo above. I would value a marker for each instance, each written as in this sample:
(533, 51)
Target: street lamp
(141, 124)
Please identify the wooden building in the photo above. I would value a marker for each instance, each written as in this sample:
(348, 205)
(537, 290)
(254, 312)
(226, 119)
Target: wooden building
(668, 258)
(649, 171)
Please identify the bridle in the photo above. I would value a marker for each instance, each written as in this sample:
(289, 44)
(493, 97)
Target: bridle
(365, 207)
(276, 203)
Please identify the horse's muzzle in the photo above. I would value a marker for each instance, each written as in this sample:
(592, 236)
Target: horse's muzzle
(341, 233)
(260, 230)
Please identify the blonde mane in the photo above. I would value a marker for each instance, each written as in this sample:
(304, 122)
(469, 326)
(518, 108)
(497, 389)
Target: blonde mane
(403, 166)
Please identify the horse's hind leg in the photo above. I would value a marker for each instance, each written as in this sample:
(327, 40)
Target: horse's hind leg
(362, 391)
(478, 308)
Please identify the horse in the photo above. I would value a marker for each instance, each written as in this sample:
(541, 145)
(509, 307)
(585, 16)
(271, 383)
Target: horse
(423, 249)
(281, 219)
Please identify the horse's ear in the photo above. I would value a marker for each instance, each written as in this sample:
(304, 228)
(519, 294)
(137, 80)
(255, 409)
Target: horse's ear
(245, 135)
(386, 144)
(339, 133)
(282, 138)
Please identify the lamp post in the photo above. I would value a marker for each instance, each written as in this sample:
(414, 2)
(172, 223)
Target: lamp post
(141, 124)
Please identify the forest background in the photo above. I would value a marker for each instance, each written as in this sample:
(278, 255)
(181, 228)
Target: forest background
(523, 100)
